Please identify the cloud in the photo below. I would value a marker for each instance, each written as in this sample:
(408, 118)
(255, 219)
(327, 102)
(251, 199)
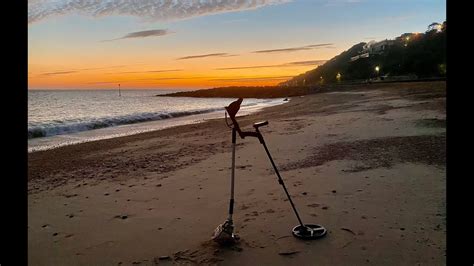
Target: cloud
(294, 49)
(104, 82)
(283, 50)
(142, 79)
(253, 79)
(246, 67)
(58, 73)
(142, 34)
(176, 78)
(231, 79)
(150, 10)
(290, 64)
(307, 63)
(149, 71)
(205, 55)
(319, 45)
(71, 71)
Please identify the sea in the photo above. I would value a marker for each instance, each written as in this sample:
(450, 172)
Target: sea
(65, 117)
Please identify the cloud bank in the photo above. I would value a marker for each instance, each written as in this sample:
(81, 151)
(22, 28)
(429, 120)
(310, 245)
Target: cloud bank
(290, 64)
(205, 55)
(151, 10)
(252, 79)
(59, 73)
(142, 34)
(148, 71)
(294, 49)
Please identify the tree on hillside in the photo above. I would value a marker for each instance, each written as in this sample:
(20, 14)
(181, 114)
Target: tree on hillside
(434, 26)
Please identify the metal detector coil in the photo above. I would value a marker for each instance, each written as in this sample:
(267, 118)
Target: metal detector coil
(309, 231)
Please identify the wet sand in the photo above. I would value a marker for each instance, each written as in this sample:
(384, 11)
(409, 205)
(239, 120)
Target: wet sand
(366, 162)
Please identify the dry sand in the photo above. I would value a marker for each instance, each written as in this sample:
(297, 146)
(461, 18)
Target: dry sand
(368, 163)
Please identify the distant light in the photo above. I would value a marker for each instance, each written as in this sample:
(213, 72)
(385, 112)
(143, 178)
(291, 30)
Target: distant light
(377, 68)
(407, 38)
(338, 76)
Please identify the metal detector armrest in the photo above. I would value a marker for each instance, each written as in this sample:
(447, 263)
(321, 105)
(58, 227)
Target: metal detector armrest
(260, 124)
(232, 110)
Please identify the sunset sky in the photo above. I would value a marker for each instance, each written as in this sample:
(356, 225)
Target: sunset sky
(80, 44)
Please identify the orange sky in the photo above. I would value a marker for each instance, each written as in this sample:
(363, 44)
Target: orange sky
(54, 71)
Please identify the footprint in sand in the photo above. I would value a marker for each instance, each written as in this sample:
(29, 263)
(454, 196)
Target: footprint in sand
(254, 213)
(244, 207)
(270, 211)
(123, 217)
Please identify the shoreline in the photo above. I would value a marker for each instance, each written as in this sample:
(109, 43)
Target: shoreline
(366, 163)
(74, 138)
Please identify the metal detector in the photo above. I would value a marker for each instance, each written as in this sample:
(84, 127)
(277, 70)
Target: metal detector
(224, 232)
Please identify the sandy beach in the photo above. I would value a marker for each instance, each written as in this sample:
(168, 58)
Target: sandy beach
(366, 161)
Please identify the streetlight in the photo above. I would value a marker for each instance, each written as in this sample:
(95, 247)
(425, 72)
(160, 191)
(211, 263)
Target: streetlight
(377, 69)
(338, 76)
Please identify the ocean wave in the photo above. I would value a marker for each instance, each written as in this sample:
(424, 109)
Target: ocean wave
(66, 127)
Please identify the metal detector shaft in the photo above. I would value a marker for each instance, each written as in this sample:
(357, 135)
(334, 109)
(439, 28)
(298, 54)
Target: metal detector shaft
(280, 180)
(232, 175)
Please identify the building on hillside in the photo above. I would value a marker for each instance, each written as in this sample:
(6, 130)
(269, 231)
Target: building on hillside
(364, 55)
(377, 47)
(373, 48)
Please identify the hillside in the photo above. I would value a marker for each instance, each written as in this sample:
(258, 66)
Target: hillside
(408, 56)
(247, 92)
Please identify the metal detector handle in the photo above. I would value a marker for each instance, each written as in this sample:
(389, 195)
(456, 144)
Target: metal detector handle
(232, 110)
